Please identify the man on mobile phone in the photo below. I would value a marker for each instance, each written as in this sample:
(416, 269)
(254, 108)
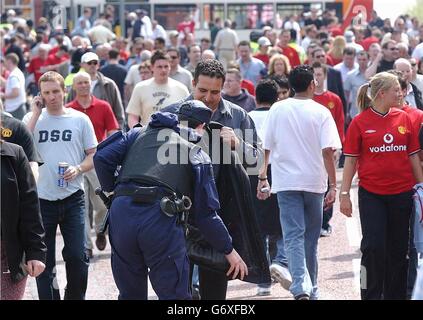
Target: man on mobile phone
(62, 135)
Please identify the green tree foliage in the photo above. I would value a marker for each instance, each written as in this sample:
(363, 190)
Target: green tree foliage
(416, 10)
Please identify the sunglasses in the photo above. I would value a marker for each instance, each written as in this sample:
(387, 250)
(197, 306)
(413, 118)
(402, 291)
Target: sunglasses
(94, 62)
(413, 64)
(393, 49)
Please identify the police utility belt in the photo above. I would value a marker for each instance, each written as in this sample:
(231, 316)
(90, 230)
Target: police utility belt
(171, 203)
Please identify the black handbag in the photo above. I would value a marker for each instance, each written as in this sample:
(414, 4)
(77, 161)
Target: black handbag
(201, 253)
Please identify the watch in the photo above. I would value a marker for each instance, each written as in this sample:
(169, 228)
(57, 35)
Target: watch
(345, 193)
(78, 167)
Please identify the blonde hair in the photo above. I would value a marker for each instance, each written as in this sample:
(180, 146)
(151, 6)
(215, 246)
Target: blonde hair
(282, 58)
(380, 82)
(338, 47)
(54, 77)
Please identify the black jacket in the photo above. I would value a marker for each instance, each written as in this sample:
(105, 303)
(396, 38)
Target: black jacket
(21, 224)
(335, 85)
(417, 96)
(237, 211)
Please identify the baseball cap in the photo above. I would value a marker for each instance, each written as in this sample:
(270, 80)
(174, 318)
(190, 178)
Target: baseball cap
(89, 56)
(173, 33)
(196, 110)
(349, 36)
(263, 41)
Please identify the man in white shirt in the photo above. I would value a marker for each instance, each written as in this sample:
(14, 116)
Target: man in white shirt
(15, 95)
(226, 43)
(156, 93)
(302, 136)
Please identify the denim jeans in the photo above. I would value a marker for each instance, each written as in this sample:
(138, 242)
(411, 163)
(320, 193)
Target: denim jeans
(301, 219)
(69, 215)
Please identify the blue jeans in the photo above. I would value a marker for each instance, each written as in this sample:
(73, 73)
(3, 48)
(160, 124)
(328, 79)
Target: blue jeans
(301, 220)
(69, 215)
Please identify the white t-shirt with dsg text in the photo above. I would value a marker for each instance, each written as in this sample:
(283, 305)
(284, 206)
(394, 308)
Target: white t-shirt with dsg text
(296, 131)
(61, 138)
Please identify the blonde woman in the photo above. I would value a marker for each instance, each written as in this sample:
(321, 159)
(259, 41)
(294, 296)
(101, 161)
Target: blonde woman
(337, 49)
(279, 66)
(380, 142)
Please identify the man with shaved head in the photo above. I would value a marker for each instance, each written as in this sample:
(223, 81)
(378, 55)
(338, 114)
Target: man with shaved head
(414, 95)
(104, 122)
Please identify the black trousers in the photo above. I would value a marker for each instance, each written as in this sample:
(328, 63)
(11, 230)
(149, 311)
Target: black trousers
(213, 285)
(385, 223)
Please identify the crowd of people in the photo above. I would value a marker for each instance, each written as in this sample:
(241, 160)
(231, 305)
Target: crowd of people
(289, 106)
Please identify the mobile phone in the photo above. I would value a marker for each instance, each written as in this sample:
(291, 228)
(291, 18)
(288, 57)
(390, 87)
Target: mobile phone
(265, 190)
(42, 100)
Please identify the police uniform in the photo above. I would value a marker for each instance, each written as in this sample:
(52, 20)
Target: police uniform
(142, 236)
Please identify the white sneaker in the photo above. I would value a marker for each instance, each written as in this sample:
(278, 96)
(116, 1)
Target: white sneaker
(263, 291)
(281, 274)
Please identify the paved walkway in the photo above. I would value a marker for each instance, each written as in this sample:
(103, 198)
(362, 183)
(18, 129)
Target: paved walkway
(338, 268)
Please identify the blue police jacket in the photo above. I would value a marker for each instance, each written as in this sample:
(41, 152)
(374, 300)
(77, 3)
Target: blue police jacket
(111, 154)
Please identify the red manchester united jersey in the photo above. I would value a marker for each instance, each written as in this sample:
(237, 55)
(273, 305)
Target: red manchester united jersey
(331, 101)
(383, 144)
(416, 118)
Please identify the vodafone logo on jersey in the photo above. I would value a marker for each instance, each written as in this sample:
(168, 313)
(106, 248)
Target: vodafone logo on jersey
(388, 138)
(389, 145)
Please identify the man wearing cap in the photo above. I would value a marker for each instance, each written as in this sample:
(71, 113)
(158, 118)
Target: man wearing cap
(145, 229)
(101, 87)
(350, 39)
(263, 53)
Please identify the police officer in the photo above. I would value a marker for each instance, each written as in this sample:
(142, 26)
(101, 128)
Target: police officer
(145, 230)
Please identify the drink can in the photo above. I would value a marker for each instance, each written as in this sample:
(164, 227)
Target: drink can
(63, 166)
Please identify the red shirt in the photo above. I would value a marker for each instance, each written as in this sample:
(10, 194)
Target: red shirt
(416, 118)
(34, 67)
(333, 61)
(366, 43)
(101, 115)
(292, 56)
(186, 27)
(331, 101)
(124, 55)
(249, 86)
(263, 57)
(55, 50)
(383, 144)
(53, 59)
